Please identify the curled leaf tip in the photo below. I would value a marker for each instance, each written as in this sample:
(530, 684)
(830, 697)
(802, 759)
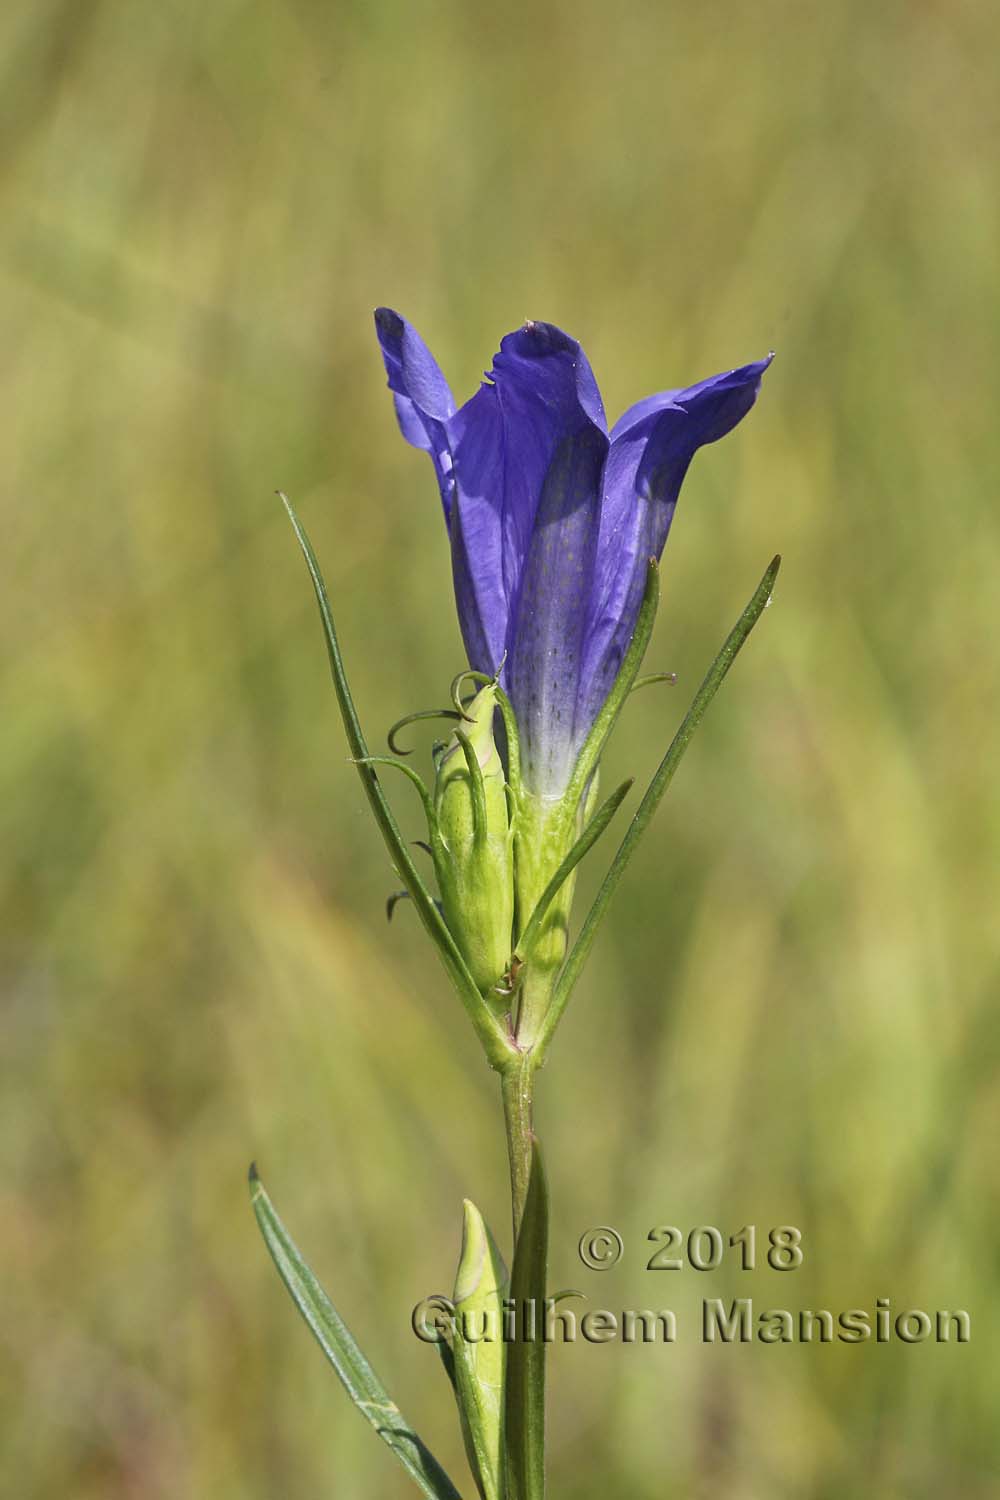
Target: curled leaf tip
(392, 902)
(456, 689)
(424, 713)
(670, 678)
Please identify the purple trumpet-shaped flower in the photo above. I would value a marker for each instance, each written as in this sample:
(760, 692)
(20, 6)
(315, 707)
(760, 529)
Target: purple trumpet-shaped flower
(551, 517)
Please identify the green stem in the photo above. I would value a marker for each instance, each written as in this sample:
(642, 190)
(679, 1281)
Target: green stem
(517, 1086)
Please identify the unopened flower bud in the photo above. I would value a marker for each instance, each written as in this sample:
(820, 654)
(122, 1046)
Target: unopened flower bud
(475, 861)
(479, 1350)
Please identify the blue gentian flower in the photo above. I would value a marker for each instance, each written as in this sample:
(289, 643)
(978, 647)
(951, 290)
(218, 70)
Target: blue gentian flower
(551, 517)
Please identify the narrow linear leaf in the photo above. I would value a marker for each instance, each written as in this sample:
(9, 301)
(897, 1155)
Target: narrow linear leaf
(584, 843)
(489, 1030)
(525, 1400)
(415, 780)
(331, 1333)
(664, 775)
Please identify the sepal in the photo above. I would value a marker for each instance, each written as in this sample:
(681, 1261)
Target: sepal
(588, 838)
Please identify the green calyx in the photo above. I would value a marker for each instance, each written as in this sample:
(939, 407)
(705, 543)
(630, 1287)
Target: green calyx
(473, 850)
(545, 834)
(553, 834)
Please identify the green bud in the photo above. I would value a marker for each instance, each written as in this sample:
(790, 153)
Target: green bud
(474, 860)
(479, 1351)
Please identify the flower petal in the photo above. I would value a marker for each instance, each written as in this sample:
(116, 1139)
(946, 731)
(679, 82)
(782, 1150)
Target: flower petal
(421, 395)
(718, 402)
(538, 401)
(652, 445)
(547, 640)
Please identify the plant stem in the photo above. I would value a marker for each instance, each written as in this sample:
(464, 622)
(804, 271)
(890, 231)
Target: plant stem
(517, 1085)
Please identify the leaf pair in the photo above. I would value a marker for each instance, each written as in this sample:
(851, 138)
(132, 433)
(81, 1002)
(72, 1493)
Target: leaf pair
(499, 1387)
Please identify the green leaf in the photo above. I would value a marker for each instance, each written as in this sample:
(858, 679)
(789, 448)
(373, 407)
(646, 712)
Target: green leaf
(415, 779)
(662, 779)
(479, 1358)
(525, 1403)
(491, 1034)
(359, 1379)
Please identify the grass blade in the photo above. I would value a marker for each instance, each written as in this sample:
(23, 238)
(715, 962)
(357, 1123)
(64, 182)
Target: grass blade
(331, 1333)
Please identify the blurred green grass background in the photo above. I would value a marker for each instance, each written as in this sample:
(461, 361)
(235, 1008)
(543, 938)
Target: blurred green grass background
(791, 1017)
